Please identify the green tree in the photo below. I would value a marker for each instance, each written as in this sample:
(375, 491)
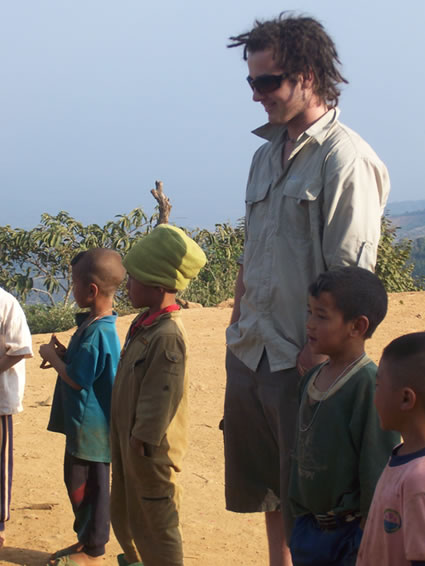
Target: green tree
(393, 265)
(38, 260)
(216, 281)
(418, 258)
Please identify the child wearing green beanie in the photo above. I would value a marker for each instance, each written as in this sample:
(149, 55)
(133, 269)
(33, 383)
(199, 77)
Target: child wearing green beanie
(149, 401)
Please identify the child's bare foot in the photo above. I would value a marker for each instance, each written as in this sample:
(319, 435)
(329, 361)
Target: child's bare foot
(2, 540)
(76, 547)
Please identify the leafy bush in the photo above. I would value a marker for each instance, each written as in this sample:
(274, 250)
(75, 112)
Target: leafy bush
(393, 265)
(46, 318)
(38, 261)
(216, 281)
(418, 258)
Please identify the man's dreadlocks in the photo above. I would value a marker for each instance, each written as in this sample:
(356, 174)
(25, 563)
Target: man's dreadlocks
(300, 46)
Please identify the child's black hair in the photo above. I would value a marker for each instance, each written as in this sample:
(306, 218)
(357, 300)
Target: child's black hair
(356, 292)
(77, 258)
(406, 358)
(101, 266)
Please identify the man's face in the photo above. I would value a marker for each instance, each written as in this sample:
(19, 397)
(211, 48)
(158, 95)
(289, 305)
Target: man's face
(286, 102)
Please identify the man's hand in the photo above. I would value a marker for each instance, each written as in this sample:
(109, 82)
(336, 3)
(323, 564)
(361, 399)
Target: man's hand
(137, 445)
(7, 362)
(307, 360)
(239, 292)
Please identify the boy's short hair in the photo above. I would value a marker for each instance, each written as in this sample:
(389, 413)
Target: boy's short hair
(405, 357)
(356, 292)
(100, 266)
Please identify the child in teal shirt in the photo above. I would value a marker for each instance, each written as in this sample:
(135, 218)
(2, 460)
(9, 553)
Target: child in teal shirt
(82, 401)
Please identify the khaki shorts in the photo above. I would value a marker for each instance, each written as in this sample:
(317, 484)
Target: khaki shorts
(260, 413)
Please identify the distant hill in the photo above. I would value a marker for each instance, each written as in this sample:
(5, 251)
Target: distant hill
(411, 224)
(401, 207)
(409, 217)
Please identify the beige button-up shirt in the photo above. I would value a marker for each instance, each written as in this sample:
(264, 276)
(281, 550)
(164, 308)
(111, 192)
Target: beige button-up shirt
(321, 211)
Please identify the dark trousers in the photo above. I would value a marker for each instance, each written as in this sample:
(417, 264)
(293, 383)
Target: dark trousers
(88, 489)
(312, 546)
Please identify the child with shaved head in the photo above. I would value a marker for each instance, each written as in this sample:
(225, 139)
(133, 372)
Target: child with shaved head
(82, 400)
(395, 528)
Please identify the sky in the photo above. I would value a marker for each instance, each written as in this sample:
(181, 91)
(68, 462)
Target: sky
(100, 98)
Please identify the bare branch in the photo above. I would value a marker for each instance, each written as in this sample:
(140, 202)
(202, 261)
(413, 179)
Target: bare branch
(163, 203)
(43, 292)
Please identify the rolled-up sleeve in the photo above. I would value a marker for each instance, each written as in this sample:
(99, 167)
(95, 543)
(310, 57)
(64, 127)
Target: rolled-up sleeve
(355, 194)
(16, 334)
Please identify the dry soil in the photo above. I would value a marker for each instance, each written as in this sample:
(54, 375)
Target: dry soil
(41, 517)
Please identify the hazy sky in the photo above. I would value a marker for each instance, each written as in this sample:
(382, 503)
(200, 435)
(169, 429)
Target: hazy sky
(99, 98)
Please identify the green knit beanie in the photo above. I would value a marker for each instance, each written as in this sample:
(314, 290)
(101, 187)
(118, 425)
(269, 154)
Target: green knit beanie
(166, 257)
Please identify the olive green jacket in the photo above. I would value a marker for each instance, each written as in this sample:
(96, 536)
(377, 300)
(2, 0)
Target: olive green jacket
(149, 398)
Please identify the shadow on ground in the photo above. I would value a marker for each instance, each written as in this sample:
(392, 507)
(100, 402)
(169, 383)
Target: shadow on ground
(23, 556)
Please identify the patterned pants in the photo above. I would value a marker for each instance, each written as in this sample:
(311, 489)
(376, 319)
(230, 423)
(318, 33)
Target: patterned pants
(6, 467)
(88, 489)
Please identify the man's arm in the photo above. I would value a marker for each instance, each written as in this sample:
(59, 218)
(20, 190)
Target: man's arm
(6, 361)
(355, 194)
(239, 292)
(306, 360)
(16, 334)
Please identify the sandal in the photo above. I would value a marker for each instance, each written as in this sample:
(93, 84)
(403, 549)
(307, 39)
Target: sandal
(123, 562)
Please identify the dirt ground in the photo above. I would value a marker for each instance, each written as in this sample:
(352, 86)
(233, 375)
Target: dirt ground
(41, 517)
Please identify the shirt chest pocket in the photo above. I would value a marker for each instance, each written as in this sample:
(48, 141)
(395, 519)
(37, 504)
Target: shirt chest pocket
(300, 209)
(136, 356)
(257, 214)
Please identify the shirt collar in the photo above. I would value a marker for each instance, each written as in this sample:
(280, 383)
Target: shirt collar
(81, 317)
(146, 319)
(318, 130)
(400, 459)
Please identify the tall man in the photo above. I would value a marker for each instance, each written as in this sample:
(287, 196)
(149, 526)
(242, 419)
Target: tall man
(315, 194)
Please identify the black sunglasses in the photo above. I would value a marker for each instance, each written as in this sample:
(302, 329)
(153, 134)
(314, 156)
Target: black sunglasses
(264, 84)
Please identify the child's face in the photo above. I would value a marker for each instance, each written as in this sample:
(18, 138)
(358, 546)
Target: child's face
(141, 295)
(327, 331)
(80, 289)
(387, 398)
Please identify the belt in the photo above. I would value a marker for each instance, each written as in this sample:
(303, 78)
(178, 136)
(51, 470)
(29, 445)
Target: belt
(330, 521)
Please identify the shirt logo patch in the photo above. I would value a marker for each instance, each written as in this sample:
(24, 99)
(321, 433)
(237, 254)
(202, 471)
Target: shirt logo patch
(392, 521)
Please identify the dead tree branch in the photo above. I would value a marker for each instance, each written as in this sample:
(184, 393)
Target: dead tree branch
(163, 203)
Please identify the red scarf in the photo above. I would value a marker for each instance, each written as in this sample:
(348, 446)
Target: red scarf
(147, 319)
